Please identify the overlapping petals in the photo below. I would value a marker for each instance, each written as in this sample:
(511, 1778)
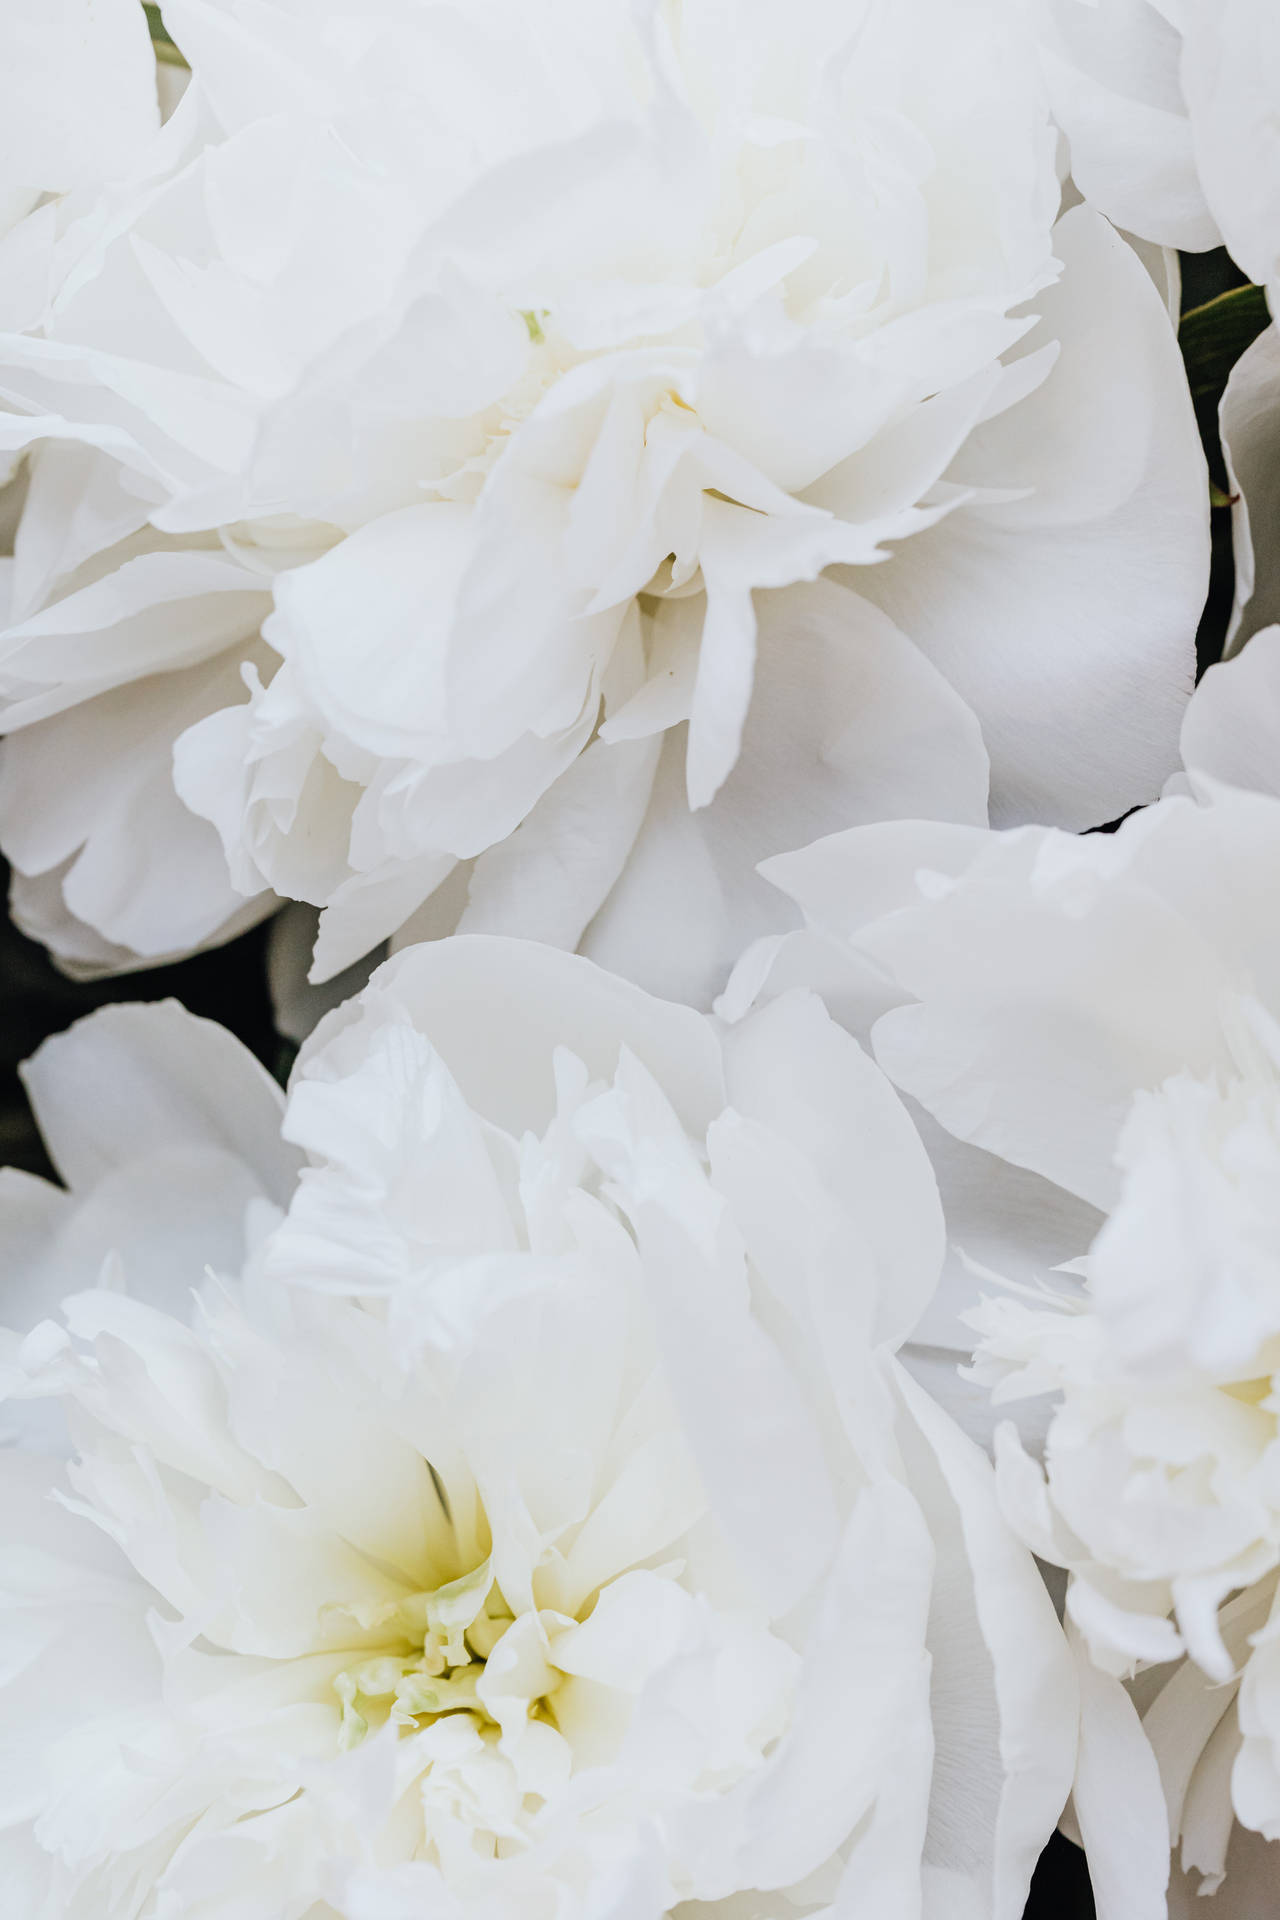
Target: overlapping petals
(526, 1510)
(1104, 1014)
(1168, 107)
(654, 438)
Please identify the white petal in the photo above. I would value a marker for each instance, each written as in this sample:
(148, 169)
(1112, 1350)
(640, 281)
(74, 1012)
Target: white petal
(1133, 941)
(848, 722)
(93, 787)
(1119, 1802)
(497, 1009)
(128, 1082)
(1249, 417)
(375, 667)
(1082, 670)
(992, 1626)
(547, 880)
(862, 1699)
(155, 612)
(1230, 73)
(1113, 74)
(743, 1411)
(1233, 721)
(794, 1071)
(77, 99)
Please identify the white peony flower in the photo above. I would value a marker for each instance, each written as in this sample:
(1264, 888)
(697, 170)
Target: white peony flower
(1104, 1014)
(647, 436)
(533, 1518)
(1169, 111)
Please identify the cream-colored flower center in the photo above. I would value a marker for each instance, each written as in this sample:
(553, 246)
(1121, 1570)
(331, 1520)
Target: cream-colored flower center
(437, 1646)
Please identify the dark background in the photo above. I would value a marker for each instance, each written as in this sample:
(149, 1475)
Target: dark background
(230, 985)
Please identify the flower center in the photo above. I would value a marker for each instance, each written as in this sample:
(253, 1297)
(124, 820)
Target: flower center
(438, 1643)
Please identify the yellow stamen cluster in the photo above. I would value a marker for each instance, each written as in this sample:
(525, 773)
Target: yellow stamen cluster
(441, 1639)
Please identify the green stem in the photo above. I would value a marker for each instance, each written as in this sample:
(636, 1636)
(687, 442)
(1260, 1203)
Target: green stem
(167, 51)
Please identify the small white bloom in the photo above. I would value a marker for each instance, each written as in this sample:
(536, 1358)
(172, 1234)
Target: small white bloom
(1161, 1487)
(653, 435)
(534, 1519)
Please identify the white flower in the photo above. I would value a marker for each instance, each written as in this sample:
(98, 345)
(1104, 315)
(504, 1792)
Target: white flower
(1161, 1482)
(1104, 1014)
(655, 435)
(540, 1522)
(1169, 110)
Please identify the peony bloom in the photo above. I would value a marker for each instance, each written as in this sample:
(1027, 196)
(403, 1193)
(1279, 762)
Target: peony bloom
(511, 470)
(1159, 1490)
(1102, 1015)
(524, 1511)
(1168, 107)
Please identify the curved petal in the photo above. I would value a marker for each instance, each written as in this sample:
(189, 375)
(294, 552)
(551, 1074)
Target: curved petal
(790, 1068)
(1077, 665)
(1094, 966)
(1113, 79)
(1090, 965)
(77, 99)
(748, 1419)
(93, 788)
(156, 612)
(1232, 725)
(130, 1082)
(1003, 1224)
(862, 1699)
(1249, 417)
(849, 722)
(497, 1009)
(51, 1664)
(1230, 74)
(549, 878)
(993, 1636)
(367, 627)
(1118, 1801)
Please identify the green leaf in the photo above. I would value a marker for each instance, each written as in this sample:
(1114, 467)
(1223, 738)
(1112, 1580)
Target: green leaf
(166, 49)
(1214, 336)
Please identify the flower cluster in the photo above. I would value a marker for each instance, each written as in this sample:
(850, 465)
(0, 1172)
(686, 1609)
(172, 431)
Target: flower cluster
(739, 1374)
